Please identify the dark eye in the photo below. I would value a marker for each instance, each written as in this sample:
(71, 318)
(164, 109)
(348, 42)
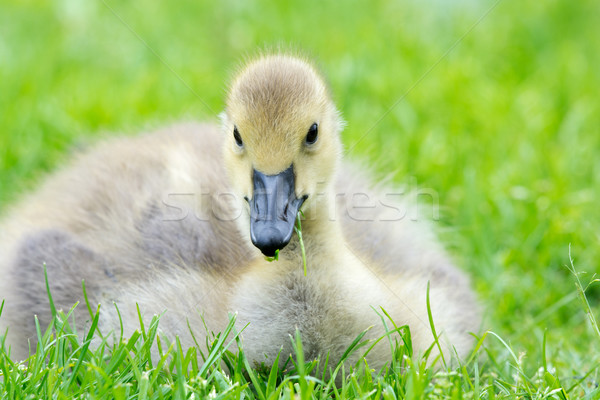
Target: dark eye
(313, 134)
(237, 137)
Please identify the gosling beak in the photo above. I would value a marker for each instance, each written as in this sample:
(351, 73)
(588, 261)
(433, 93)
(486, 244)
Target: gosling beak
(273, 210)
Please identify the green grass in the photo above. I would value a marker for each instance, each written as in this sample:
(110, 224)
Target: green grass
(505, 127)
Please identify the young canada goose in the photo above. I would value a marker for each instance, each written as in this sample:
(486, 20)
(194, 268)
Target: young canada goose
(180, 220)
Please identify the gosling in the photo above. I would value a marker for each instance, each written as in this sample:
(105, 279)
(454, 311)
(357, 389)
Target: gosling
(181, 220)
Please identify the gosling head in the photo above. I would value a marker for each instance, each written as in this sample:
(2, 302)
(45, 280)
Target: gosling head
(282, 144)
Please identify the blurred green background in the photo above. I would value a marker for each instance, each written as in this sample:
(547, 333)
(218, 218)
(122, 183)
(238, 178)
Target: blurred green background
(494, 105)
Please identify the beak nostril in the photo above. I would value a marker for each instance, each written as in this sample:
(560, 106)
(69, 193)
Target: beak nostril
(285, 211)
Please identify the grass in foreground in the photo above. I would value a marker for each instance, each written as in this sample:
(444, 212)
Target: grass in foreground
(146, 366)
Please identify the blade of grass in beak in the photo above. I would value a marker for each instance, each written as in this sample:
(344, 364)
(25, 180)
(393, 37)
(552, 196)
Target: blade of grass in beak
(274, 258)
(298, 229)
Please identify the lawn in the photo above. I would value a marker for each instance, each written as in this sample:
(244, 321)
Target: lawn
(494, 105)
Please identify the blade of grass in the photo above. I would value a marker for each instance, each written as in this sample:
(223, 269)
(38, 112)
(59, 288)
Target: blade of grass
(50, 299)
(581, 290)
(298, 229)
(432, 326)
(84, 349)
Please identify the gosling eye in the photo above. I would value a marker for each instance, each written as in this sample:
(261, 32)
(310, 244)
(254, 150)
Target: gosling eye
(237, 137)
(312, 135)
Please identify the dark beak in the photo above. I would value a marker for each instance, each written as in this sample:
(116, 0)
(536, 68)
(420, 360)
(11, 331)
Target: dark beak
(273, 210)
